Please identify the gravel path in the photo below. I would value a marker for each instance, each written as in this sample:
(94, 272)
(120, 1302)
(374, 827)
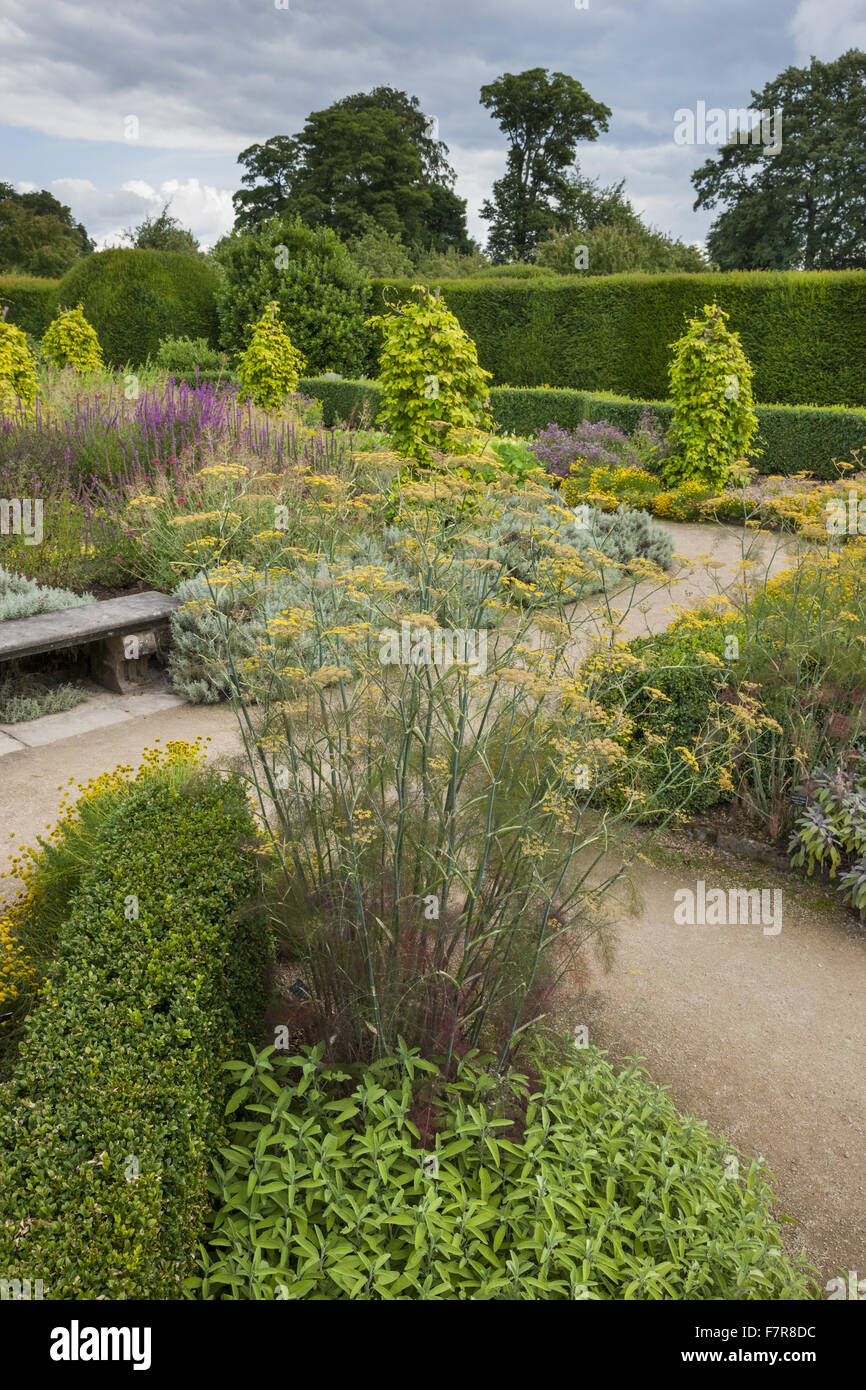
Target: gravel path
(761, 1035)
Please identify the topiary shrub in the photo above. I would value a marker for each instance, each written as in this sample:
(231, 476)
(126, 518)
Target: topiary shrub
(711, 387)
(429, 375)
(270, 366)
(135, 298)
(325, 298)
(71, 342)
(18, 385)
(577, 1183)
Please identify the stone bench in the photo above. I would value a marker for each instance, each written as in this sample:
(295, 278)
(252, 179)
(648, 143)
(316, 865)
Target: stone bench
(121, 633)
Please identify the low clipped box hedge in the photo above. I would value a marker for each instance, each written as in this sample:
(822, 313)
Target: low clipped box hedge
(793, 439)
(136, 298)
(801, 330)
(29, 301)
(115, 1101)
(583, 1183)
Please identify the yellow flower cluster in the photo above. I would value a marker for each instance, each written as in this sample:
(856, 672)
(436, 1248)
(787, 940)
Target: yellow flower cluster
(192, 518)
(230, 472)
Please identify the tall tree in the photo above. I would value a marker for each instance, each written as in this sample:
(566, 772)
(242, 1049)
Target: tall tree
(38, 235)
(799, 198)
(544, 117)
(601, 234)
(369, 158)
(162, 233)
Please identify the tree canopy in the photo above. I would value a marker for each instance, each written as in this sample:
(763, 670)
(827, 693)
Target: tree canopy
(370, 158)
(605, 236)
(544, 116)
(162, 233)
(38, 234)
(802, 205)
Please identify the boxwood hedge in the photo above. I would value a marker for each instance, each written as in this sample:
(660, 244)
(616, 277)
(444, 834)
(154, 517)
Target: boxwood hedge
(134, 298)
(115, 1101)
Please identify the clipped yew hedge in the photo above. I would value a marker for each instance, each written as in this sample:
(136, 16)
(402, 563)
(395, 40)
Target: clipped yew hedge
(134, 298)
(801, 330)
(29, 302)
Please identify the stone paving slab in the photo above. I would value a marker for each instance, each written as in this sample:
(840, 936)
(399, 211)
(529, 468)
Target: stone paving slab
(9, 745)
(101, 711)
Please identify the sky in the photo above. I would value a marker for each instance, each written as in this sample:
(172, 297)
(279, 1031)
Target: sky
(119, 107)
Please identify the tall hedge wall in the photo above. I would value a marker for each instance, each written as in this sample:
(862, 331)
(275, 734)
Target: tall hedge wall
(29, 301)
(133, 298)
(793, 438)
(802, 331)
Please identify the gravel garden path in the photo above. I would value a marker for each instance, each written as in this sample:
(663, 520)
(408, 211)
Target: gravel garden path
(761, 1036)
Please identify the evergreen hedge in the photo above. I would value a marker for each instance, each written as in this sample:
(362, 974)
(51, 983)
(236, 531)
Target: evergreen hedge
(794, 439)
(114, 1107)
(29, 301)
(801, 330)
(134, 298)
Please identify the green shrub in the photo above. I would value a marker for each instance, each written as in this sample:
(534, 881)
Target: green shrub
(29, 302)
(711, 385)
(115, 1101)
(28, 697)
(324, 297)
(270, 365)
(181, 356)
(525, 541)
(429, 375)
(17, 370)
(135, 298)
(582, 1184)
(221, 622)
(671, 698)
(69, 341)
(355, 401)
(801, 330)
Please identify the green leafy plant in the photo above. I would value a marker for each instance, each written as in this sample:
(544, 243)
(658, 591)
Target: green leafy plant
(429, 374)
(17, 370)
(135, 298)
(573, 1183)
(270, 366)
(310, 273)
(714, 421)
(70, 341)
(28, 697)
